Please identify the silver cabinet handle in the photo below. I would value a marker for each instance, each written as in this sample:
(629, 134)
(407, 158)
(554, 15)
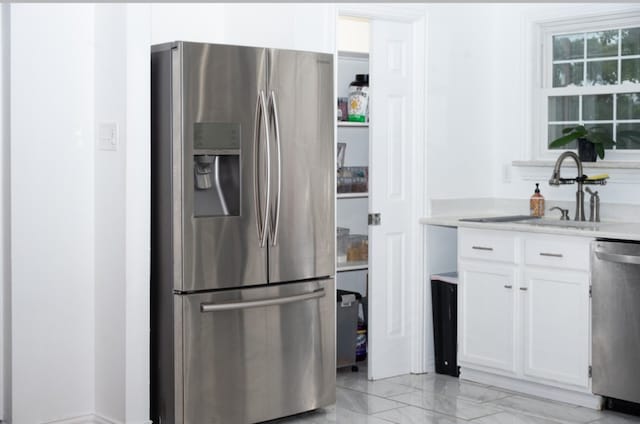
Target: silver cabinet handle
(524, 288)
(276, 125)
(259, 118)
(274, 301)
(490, 249)
(508, 286)
(552, 255)
(622, 259)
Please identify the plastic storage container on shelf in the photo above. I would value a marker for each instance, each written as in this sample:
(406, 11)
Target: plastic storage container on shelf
(342, 235)
(353, 179)
(357, 248)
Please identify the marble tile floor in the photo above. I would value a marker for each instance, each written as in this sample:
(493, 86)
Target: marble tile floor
(440, 399)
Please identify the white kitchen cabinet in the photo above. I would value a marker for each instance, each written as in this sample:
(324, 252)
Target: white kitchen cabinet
(555, 312)
(487, 308)
(524, 313)
(556, 309)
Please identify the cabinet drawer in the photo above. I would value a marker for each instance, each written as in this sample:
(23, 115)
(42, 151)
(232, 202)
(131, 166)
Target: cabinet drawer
(487, 245)
(558, 252)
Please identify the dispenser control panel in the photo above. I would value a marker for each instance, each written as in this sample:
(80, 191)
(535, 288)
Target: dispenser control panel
(216, 136)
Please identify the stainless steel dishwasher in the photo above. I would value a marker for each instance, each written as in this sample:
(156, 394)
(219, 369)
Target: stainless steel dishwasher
(615, 269)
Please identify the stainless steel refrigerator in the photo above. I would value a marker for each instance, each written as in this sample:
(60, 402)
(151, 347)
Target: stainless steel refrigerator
(242, 290)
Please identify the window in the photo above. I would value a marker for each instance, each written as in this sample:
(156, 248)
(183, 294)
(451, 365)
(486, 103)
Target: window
(591, 76)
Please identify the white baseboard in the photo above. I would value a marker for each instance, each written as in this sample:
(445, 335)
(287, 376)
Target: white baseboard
(84, 419)
(92, 419)
(101, 419)
(588, 400)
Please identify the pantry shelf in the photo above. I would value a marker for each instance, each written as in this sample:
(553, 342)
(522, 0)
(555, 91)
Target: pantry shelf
(352, 266)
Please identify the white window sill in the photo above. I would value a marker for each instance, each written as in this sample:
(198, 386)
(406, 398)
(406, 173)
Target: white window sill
(620, 172)
(601, 164)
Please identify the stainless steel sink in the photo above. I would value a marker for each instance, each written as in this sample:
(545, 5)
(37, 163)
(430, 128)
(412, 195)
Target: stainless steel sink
(542, 222)
(539, 222)
(509, 218)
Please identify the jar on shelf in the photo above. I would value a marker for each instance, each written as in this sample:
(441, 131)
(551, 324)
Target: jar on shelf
(358, 110)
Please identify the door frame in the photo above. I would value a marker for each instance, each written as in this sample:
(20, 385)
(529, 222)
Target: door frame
(421, 359)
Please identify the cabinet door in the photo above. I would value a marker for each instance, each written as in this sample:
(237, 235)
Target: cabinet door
(487, 321)
(556, 326)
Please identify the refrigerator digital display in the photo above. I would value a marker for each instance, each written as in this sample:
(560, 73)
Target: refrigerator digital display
(216, 135)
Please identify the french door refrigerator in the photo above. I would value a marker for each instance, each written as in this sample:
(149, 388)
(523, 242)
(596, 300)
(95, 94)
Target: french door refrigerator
(242, 290)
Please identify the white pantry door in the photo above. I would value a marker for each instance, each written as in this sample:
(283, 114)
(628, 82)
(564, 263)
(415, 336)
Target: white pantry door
(390, 188)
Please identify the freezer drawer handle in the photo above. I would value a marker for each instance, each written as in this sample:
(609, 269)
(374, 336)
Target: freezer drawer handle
(228, 306)
(622, 259)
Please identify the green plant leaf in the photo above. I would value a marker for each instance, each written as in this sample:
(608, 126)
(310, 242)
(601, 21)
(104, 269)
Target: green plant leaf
(559, 142)
(598, 135)
(600, 150)
(595, 137)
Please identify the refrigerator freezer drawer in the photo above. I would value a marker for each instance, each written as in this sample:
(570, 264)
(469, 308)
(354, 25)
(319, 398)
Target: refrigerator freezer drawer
(257, 354)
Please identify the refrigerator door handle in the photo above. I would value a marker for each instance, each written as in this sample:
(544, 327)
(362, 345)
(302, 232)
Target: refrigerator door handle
(273, 105)
(227, 306)
(260, 119)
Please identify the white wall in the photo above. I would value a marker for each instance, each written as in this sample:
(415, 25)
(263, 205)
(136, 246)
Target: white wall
(461, 118)
(52, 211)
(288, 26)
(479, 103)
(5, 220)
(122, 220)
(80, 240)
(137, 218)
(109, 188)
(71, 204)
(512, 106)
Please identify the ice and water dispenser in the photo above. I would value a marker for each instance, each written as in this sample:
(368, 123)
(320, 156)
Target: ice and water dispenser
(216, 169)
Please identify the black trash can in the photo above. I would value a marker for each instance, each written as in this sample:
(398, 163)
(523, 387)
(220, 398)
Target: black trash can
(444, 298)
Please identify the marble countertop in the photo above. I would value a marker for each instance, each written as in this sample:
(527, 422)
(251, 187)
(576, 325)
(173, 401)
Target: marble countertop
(605, 229)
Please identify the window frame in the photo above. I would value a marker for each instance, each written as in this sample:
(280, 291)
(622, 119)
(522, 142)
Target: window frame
(544, 30)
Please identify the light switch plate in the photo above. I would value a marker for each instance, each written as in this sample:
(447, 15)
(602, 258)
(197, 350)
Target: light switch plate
(108, 136)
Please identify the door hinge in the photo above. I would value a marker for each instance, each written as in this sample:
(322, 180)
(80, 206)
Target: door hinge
(374, 219)
(590, 371)
(590, 290)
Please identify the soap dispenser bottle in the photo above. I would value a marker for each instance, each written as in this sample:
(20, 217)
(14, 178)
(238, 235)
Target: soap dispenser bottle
(536, 204)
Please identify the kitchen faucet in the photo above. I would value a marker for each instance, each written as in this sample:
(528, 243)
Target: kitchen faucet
(556, 180)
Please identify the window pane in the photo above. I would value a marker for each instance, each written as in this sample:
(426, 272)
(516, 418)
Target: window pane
(630, 41)
(603, 72)
(602, 44)
(555, 131)
(597, 108)
(563, 108)
(628, 106)
(628, 136)
(565, 74)
(630, 70)
(567, 47)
